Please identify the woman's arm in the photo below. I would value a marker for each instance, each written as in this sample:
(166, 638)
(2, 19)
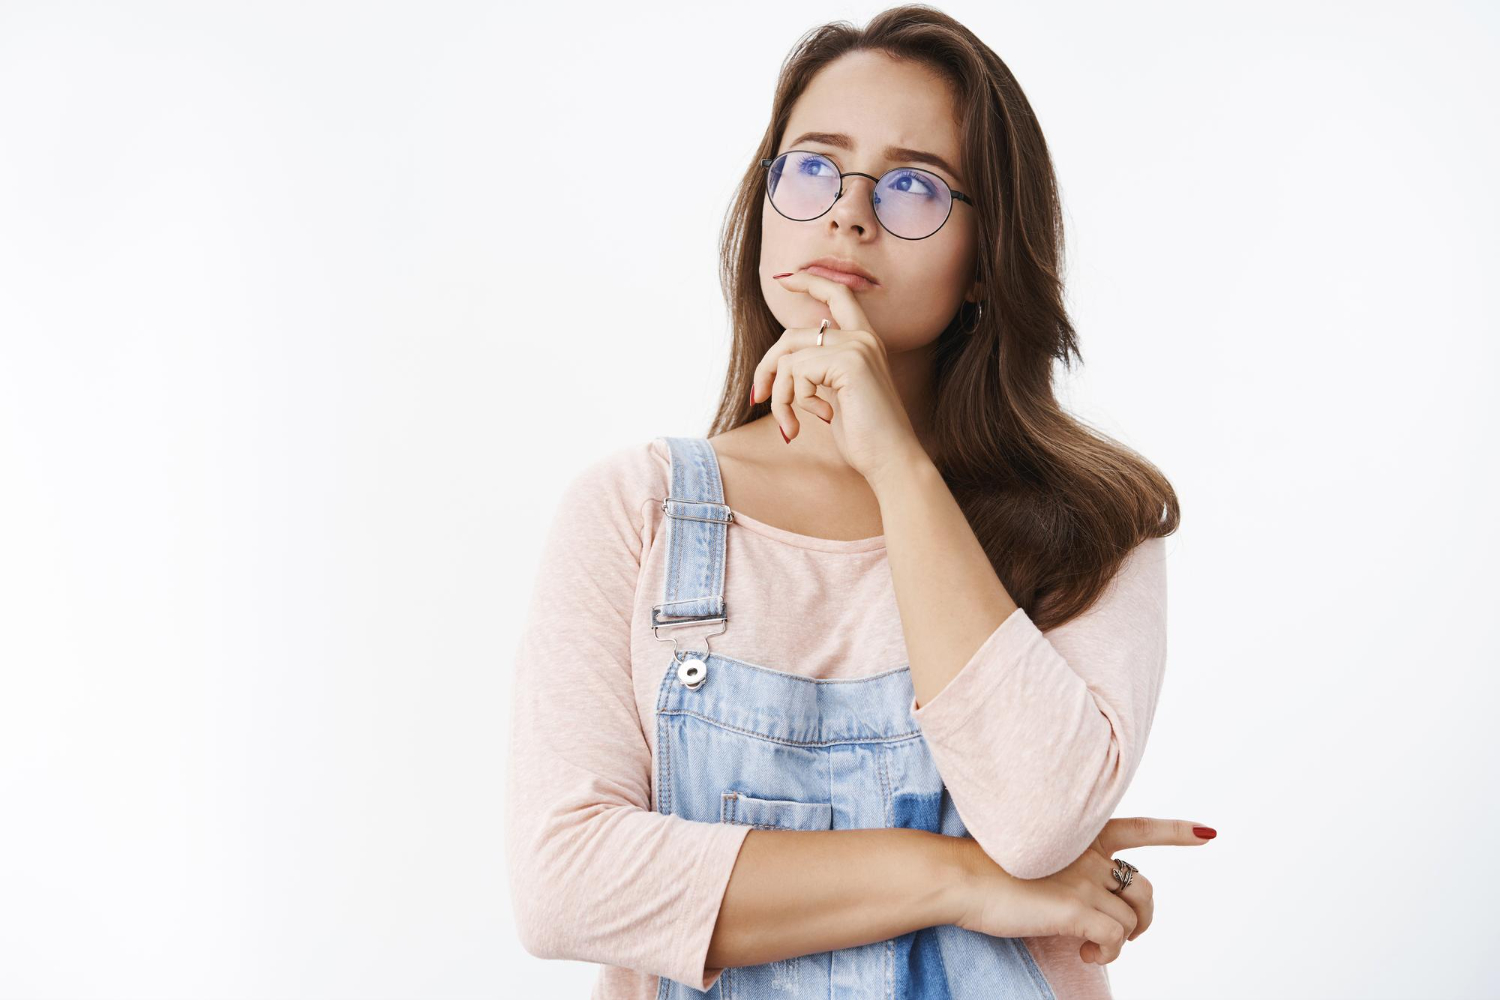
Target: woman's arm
(596, 875)
(947, 590)
(1036, 736)
(799, 892)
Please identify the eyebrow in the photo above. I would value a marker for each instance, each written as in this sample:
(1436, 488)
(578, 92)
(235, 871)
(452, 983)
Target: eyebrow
(842, 141)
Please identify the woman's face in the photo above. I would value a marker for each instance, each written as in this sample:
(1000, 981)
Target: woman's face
(876, 102)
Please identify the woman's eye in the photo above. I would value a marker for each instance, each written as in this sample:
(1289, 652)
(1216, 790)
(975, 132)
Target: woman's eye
(911, 183)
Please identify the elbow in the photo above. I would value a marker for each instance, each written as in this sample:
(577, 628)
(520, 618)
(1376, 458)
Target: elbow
(1056, 830)
(1041, 851)
(562, 873)
(1035, 861)
(536, 931)
(531, 942)
(537, 925)
(542, 932)
(536, 941)
(1023, 854)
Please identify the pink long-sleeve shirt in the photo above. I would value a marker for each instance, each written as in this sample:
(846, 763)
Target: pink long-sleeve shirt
(1036, 737)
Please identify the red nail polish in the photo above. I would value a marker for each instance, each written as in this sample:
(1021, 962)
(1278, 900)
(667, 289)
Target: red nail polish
(783, 435)
(752, 394)
(780, 275)
(1206, 832)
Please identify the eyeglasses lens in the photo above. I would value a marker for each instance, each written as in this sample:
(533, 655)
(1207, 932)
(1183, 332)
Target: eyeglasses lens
(910, 203)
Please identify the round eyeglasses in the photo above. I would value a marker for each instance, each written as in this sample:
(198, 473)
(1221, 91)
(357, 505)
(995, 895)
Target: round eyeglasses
(910, 204)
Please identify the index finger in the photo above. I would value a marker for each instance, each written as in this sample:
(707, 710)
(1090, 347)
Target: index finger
(839, 298)
(1148, 831)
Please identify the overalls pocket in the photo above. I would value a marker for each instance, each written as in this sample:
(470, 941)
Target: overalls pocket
(774, 814)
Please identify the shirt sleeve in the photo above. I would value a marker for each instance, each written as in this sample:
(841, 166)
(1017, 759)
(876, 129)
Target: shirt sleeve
(1038, 735)
(596, 874)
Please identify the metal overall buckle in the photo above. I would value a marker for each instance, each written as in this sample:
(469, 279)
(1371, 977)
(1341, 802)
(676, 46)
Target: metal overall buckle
(693, 670)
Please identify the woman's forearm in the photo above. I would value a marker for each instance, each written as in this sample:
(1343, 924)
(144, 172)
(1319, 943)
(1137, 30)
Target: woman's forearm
(947, 591)
(799, 892)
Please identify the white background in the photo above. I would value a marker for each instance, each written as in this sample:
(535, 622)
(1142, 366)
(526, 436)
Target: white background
(308, 310)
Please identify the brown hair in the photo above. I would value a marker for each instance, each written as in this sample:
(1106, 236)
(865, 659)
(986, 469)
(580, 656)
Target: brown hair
(1056, 504)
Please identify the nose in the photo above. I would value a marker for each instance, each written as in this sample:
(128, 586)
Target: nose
(855, 206)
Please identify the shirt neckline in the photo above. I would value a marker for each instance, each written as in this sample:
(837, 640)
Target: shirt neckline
(814, 542)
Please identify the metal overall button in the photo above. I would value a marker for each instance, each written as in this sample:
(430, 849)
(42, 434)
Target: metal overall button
(692, 672)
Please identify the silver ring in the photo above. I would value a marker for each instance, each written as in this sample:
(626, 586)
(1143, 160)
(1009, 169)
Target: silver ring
(821, 327)
(1124, 874)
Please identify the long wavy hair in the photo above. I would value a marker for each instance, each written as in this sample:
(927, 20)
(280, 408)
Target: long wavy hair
(1056, 504)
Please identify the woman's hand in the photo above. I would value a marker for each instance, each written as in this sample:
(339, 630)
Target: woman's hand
(869, 422)
(1076, 902)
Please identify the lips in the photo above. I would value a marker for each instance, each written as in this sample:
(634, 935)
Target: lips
(845, 272)
(854, 281)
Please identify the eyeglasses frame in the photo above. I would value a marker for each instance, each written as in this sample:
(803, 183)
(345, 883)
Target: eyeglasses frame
(955, 196)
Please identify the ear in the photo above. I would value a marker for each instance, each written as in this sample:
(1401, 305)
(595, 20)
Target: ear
(975, 292)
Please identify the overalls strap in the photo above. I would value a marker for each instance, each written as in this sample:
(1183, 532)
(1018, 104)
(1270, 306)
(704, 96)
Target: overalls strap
(697, 522)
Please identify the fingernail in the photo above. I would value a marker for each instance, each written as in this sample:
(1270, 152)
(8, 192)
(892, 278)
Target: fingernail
(1206, 832)
(783, 435)
(780, 275)
(752, 393)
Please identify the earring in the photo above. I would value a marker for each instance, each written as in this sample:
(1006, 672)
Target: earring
(978, 316)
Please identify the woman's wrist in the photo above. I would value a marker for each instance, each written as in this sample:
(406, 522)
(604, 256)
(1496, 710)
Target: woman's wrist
(955, 877)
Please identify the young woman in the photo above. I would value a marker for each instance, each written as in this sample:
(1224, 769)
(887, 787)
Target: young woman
(839, 700)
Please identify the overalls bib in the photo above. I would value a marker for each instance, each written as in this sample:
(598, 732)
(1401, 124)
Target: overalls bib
(743, 743)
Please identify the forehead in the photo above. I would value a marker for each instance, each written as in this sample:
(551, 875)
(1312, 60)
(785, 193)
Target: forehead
(879, 101)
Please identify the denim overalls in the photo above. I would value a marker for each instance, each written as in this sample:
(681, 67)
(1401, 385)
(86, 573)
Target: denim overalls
(744, 743)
